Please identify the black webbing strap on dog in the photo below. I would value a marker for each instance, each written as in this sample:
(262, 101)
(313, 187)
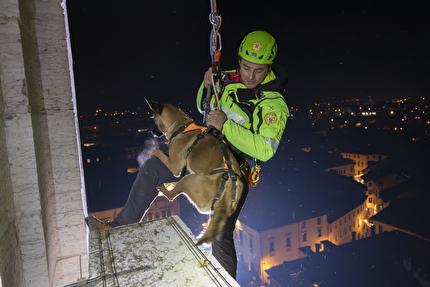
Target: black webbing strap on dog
(192, 126)
(222, 185)
(200, 136)
(226, 172)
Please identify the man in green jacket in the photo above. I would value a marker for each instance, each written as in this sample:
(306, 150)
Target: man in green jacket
(250, 112)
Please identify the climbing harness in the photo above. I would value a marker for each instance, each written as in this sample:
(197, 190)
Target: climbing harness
(228, 170)
(215, 51)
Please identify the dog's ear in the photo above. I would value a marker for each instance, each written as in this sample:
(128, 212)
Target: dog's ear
(155, 107)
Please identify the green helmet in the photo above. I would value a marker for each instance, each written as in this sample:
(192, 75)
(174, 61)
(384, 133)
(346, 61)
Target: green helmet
(259, 47)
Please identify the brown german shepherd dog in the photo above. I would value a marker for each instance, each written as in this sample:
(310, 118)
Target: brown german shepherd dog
(200, 185)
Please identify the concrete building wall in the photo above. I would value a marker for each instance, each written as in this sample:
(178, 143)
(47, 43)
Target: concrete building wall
(340, 230)
(42, 228)
(282, 243)
(362, 160)
(248, 247)
(344, 170)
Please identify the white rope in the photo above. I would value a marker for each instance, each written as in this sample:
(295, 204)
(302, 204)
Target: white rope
(215, 87)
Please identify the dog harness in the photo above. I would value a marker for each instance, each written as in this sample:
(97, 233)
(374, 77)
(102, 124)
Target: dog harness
(228, 170)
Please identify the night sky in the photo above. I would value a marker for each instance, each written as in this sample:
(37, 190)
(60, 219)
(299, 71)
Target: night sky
(128, 50)
(125, 51)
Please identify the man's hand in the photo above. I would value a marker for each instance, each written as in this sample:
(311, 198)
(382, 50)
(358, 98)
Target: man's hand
(208, 77)
(216, 119)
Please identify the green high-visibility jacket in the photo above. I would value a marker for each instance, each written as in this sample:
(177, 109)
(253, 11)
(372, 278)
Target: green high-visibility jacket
(256, 117)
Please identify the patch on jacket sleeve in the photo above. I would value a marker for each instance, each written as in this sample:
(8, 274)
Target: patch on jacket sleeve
(270, 118)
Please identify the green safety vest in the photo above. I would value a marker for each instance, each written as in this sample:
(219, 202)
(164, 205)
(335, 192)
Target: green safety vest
(255, 125)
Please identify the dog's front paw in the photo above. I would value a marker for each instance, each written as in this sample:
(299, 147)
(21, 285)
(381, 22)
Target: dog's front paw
(154, 153)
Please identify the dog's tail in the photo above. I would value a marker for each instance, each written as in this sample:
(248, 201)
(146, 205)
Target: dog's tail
(223, 208)
(217, 222)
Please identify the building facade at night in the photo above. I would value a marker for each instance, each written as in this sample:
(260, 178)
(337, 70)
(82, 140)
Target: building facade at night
(362, 160)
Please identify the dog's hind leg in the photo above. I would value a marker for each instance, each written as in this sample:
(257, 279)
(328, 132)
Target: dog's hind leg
(200, 190)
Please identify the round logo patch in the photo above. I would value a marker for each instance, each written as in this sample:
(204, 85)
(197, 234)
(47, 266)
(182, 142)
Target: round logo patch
(256, 46)
(270, 118)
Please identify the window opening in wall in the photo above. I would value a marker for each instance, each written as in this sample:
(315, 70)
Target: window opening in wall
(288, 241)
(271, 246)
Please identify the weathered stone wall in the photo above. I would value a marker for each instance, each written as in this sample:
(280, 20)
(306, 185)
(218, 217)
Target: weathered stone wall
(42, 229)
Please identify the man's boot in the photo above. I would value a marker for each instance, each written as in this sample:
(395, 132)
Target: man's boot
(95, 224)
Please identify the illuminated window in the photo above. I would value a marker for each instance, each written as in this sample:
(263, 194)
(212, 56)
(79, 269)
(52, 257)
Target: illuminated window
(88, 160)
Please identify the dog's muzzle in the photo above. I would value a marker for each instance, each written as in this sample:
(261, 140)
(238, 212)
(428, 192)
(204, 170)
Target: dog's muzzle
(156, 132)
